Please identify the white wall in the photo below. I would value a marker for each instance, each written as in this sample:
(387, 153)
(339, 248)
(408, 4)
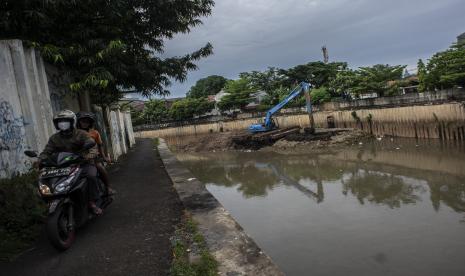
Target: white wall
(12, 129)
(129, 129)
(30, 93)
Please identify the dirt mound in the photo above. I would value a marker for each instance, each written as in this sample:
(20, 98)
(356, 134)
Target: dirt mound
(293, 142)
(308, 143)
(212, 142)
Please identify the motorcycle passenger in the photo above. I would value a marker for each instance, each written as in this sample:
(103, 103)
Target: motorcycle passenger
(70, 139)
(86, 121)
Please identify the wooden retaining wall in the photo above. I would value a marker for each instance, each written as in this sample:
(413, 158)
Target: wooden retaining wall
(445, 122)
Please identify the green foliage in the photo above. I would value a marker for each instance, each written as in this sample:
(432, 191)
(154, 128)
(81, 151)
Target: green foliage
(155, 111)
(190, 107)
(108, 45)
(370, 117)
(343, 83)
(156, 142)
(137, 116)
(317, 73)
(355, 116)
(320, 95)
(446, 69)
(187, 237)
(267, 81)
(207, 86)
(21, 214)
(375, 79)
(238, 95)
(276, 95)
(421, 75)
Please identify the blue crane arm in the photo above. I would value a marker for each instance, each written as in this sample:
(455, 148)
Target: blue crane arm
(303, 87)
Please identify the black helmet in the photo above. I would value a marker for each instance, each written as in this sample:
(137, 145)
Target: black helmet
(85, 115)
(65, 115)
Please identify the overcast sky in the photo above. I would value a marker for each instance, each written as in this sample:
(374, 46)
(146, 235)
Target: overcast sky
(255, 34)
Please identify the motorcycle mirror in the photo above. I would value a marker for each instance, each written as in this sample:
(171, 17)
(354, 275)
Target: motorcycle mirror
(30, 153)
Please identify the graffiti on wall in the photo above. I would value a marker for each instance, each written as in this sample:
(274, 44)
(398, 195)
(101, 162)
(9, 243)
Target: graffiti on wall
(59, 91)
(12, 140)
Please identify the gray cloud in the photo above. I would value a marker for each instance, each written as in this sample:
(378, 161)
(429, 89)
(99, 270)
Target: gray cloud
(252, 35)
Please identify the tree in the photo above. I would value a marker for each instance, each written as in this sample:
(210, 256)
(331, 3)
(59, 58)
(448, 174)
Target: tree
(284, 93)
(421, 76)
(189, 107)
(320, 95)
(108, 46)
(205, 87)
(267, 81)
(446, 69)
(375, 79)
(317, 73)
(136, 116)
(155, 111)
(342, 84)
(238, 95)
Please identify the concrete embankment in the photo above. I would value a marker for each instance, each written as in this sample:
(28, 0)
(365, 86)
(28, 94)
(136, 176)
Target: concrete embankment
(235, 251)
(444, 121)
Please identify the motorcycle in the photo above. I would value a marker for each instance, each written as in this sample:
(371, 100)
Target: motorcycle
(62, 186)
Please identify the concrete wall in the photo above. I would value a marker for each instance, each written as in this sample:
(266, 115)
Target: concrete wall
(122, 135)
(30, 93)
(60, 96)
(445, 121)
(128, 129)
(402, 100)
(26, 115)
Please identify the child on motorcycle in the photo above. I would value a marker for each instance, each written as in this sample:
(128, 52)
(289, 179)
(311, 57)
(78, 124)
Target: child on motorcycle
(86, 122)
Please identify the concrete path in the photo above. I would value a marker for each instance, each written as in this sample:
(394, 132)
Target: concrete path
(132, 238)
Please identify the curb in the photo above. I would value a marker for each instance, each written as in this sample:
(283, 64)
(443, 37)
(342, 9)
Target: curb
(237, 254)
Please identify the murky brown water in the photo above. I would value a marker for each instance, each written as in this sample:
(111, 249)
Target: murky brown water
(387, 208)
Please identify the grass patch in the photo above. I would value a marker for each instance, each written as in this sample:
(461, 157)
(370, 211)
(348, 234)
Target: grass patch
(22, 214)
(190, 253)
(156, 142)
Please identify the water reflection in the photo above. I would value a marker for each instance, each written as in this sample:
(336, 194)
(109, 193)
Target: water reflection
(255, 174)
(381, 188)
(383, 209)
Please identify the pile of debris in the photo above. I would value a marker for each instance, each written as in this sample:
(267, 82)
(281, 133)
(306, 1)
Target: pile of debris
(322, 140)
(289, 139)
(222, 141)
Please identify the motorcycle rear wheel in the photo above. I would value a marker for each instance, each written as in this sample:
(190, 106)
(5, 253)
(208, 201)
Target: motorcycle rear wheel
(58, 232)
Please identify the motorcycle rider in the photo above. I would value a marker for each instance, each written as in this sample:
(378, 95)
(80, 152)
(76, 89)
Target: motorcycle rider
(70, 139)
(86, 121)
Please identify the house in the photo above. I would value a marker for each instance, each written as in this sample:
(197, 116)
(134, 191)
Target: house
(171, 101)
(220, 95)
(257, 99)
(216, 98)
(137, 103)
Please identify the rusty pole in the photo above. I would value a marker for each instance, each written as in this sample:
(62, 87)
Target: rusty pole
(310, 111)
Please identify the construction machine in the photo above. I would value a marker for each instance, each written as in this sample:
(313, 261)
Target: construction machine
(270, 124)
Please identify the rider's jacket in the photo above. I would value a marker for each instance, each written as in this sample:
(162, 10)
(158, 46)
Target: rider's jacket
(73, 142)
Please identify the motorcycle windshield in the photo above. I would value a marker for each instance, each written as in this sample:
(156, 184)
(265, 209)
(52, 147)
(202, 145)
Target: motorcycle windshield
(61, 159)
(66, 158)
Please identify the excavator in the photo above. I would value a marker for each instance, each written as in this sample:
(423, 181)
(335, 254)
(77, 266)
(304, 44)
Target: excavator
(269, 123)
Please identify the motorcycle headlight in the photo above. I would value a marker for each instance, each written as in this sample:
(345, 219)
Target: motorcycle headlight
(44, 190)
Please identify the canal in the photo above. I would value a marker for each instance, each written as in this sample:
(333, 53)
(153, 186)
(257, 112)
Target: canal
(389, 207)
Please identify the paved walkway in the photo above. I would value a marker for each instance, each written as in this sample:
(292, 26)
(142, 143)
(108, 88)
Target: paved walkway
(132, 238)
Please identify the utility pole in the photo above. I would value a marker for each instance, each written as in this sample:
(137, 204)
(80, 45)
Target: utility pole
(325, 54)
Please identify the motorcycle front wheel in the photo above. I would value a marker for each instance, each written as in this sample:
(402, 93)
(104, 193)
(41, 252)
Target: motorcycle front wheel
(60, 228)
